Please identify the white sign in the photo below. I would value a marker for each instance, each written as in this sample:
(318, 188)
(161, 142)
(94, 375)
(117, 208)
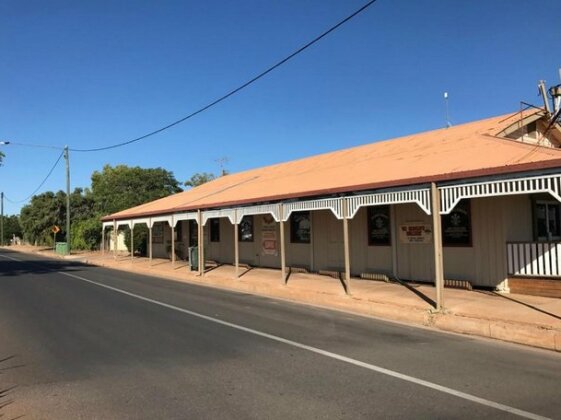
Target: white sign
(269, 236)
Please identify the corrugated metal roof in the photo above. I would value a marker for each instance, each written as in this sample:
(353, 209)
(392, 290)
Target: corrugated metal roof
(462, 151)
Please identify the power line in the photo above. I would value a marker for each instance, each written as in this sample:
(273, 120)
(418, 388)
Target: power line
(236, 90)
(40, 185)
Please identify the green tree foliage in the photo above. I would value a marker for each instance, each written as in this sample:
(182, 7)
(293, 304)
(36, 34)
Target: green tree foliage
(140, 239)
(49, 209)
(121, 187)
(38, 217)
(113, 189)
(199, 178)
(86, 234)
(11, 228)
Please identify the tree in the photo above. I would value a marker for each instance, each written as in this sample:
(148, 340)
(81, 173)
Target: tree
(2, 156)
(11, 228)
(86, 234)
(140, 239)
(38, 217)
(199, 178)
(121, 187)
(49, 209)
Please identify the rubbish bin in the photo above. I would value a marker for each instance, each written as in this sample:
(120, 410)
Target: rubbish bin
(194, 258)
(61, 248)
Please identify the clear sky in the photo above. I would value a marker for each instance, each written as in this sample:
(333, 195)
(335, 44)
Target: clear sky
(92, 73)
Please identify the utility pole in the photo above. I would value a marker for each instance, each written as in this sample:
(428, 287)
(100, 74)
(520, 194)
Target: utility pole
(66, 158)
(2, 218)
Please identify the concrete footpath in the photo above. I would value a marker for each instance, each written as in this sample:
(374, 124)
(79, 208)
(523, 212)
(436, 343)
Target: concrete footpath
(522, 319)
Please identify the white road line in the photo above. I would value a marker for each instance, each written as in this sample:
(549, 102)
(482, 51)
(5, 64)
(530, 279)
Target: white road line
(378, 369)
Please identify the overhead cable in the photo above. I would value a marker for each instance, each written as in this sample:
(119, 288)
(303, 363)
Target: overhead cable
(40, 185)
(234, 91)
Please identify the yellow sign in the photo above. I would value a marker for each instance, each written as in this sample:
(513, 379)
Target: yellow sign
(55, 229)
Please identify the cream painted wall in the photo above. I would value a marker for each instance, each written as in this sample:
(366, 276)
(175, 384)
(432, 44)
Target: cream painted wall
(223, 251)
(366, 258)
(414, 261)
(496, 221)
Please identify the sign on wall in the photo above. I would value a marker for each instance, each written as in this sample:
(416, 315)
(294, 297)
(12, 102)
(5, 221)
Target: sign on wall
(269, 236)
(456, 226)
(415, 233)
(379, 225)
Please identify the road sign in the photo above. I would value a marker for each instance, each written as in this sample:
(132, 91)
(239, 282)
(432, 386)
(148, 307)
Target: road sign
(55, 229)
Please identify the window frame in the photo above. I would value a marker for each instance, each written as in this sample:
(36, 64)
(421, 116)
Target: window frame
(293, 228)
(547, 203)
(369, 221)
(214, 229)
(444, 217)
(252, 224)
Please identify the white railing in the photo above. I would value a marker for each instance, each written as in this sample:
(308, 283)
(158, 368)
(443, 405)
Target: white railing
(539, 259)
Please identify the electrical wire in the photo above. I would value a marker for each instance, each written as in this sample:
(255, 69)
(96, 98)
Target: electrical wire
(40, 185)
(236, 90)
(43, 146)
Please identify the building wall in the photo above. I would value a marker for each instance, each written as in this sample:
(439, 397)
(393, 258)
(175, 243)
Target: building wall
(414, 261)
(159, 250)
(496, 221)
(121, 247)
(223, 251)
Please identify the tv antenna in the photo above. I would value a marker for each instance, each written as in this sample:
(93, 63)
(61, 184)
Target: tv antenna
(448, 123)
(222, 161)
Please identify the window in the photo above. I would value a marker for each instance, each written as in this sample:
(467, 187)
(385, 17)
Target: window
(379, 226)
(547, 220)
(193, 233)
(300, 227)
(245, 229)
(158, 233)
(456, 226)
(214, 230)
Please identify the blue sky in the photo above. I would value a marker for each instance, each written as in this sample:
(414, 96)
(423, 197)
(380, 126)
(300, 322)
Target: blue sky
(89, 74)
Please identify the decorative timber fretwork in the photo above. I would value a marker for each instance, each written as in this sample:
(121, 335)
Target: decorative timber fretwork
(451, 195)
(333, 204)
(192, 215)
(211, 214)
(272, 209)
(419, 196)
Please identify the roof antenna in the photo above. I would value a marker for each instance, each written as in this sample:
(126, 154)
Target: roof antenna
(222, 162)
(543, 93)
(448, 123)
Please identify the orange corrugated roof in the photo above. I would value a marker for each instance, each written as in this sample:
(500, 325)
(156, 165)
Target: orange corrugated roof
(462, 151)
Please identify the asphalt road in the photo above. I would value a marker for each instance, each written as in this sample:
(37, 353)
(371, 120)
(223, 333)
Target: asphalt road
(87, 342)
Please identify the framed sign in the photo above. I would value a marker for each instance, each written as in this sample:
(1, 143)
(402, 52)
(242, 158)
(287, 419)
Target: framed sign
(379, 226)
(245, 229)
(268, 236)
(456, 226)
(300, 227)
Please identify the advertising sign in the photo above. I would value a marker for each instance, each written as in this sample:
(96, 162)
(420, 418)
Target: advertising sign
(269, 236)
(415, 233)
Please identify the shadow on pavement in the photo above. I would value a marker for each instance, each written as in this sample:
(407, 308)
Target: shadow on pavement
(527, 305)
